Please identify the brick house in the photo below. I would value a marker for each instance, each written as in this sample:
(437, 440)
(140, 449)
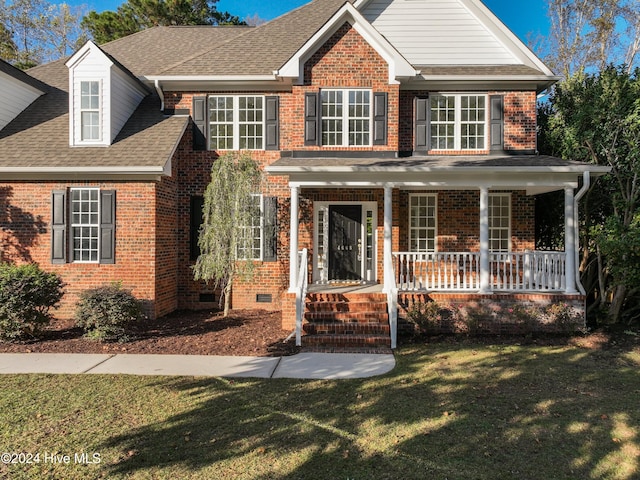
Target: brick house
(398, 138)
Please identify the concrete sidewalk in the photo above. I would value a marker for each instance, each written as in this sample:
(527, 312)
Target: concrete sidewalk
(302, 365)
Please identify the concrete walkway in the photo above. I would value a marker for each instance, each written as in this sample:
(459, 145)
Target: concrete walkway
(302, 365)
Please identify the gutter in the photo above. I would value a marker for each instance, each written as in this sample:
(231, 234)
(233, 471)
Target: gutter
(160, 94)
(586, 183)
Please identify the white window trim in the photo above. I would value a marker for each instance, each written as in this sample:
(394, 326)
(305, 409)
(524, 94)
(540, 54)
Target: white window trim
(457, 133)
(345, 116)
(435, 229)
(72, 225)
(236, 122)
(509, 229)
(261, 256)
(100, 139)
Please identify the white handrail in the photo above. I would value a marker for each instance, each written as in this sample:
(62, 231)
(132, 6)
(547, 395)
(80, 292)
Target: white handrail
(392, 309)
(301, 293)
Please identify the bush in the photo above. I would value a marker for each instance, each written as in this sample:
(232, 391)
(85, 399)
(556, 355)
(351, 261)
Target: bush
(426, 316)
(27, 293)
(108, 313)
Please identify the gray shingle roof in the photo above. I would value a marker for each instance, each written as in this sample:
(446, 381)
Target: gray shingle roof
(431, 162)
(261, 50)
(477, 70)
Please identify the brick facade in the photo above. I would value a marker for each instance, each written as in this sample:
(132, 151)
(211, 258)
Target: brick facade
(153, 218)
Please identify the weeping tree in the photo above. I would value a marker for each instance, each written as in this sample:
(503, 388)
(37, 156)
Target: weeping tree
(230, 216)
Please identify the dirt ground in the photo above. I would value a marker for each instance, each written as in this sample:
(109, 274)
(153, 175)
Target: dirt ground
(244, 332)
(258, 333)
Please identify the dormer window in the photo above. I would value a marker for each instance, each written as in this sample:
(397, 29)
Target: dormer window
(90, 110)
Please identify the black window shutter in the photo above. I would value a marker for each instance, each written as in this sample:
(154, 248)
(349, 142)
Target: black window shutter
(107, 226)
(422, 123)
(270, 234)
(196, 217)
(59, 226)
(272, 138)
(380, 118)
(497, 122)
(200, 121)
(311, 119)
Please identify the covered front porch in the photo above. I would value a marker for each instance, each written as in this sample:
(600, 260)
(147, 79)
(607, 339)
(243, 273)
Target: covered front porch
(367, 239)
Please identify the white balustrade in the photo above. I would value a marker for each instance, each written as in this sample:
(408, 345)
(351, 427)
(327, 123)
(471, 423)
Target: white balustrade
(460, 271)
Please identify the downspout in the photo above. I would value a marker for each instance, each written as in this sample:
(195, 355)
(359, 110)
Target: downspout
(586, 183)
(160, 94)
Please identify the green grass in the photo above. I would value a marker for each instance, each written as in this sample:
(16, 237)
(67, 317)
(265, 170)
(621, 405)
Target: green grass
(446, 412)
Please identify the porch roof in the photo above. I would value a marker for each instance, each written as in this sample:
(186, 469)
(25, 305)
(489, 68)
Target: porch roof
(533, 173)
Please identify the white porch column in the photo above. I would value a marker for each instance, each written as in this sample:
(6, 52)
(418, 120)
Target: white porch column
(485, 280)
(570, 241)
(387, 244)
(293, 239)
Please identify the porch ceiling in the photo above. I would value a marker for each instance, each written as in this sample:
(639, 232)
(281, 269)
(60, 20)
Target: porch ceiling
(533, 173)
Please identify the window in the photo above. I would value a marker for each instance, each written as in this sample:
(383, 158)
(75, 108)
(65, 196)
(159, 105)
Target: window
(346, 117)
(83, 225)
(236, 122)
(422, 223)
(251, 248)
(499, 222)
(90, 110)
(458, 122)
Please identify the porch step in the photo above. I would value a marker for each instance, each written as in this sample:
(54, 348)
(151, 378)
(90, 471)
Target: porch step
(346, 322)
(346, 328)
(347, 341)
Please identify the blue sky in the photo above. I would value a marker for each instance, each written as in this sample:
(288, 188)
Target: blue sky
(523, 17)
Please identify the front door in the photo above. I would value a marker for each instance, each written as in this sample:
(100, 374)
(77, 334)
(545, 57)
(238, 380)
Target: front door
(345, 242)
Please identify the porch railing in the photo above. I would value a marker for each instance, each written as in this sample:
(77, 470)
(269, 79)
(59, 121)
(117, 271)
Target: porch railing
(437, 270)
(530, 271)
(460, 271)
(301, 293)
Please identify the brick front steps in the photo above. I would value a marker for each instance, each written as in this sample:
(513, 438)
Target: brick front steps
(346, 322)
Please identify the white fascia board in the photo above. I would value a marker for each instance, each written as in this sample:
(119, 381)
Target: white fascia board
(398, 65)
(505, 35)
(80, 170)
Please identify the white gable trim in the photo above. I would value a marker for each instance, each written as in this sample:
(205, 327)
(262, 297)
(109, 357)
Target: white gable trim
(88, 47)
(398, 66)
(505, 35)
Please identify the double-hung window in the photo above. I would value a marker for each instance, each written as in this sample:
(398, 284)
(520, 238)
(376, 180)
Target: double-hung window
(250, 246)
(85, 224)
(422, 222)
(458, 122)
(346, 117)
(236, 122)
(499, 222)
(90, 110)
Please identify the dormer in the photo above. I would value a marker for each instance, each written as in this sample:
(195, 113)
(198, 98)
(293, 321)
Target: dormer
(18, 90)
(103, 94)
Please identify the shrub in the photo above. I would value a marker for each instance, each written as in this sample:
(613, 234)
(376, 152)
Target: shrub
(426, 316)
(107, 313)
(27, 293)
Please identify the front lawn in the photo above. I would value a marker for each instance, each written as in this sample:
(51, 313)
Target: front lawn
(448, 411)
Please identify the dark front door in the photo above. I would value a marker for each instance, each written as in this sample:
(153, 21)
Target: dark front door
(345, 242)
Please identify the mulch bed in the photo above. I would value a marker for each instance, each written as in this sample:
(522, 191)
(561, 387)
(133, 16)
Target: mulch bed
(243, 332)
